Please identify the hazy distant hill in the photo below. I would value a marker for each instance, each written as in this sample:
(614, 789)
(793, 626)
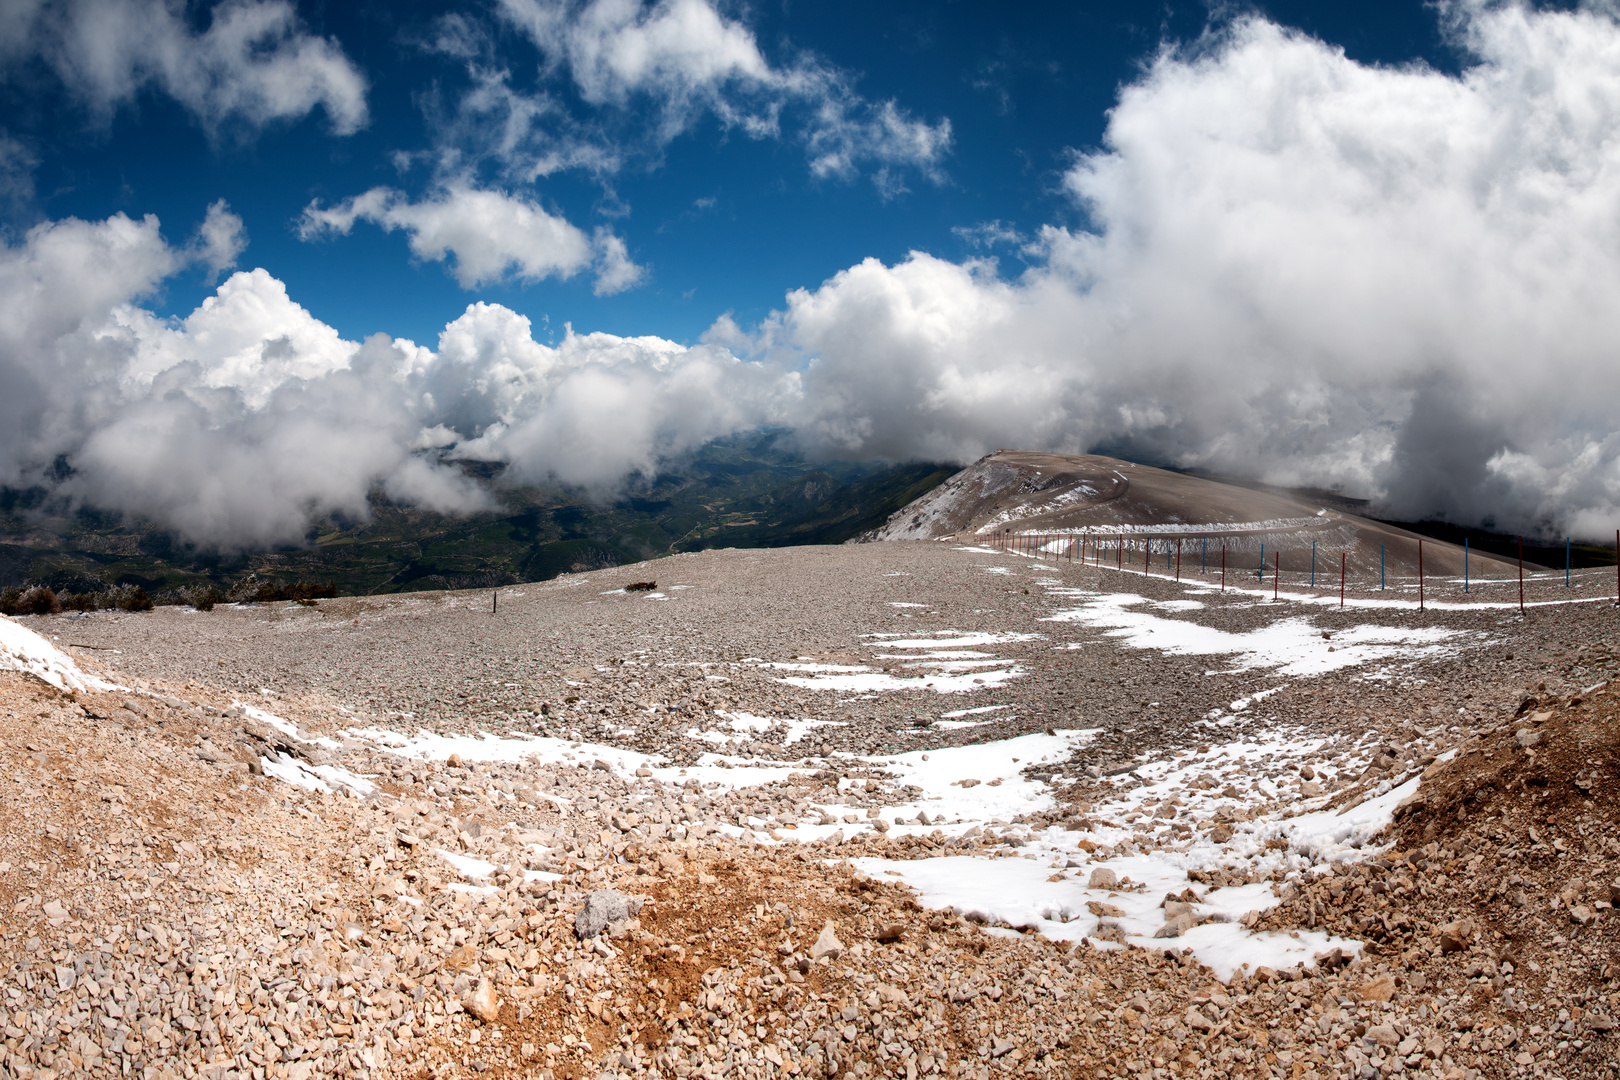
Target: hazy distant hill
(736, 492)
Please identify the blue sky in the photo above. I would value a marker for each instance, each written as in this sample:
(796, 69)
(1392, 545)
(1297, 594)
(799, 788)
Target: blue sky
(720, 220)
(1369, 246)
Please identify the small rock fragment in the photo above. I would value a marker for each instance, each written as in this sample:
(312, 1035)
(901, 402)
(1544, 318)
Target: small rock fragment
(605, 909)
(1380, 989)
(1455, 936)
(827, 943)
(483, 1002)
(1103, 878)
(1384, 1035)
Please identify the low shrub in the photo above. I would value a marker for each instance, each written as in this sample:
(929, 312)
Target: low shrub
(252, 590)
(36, 600)
(202, 597)
(133, 598)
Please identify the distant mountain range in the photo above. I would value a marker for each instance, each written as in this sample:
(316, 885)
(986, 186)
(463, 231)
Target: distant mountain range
(746, 491)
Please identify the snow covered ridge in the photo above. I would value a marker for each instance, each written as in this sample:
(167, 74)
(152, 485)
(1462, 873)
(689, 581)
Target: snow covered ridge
(23, 650)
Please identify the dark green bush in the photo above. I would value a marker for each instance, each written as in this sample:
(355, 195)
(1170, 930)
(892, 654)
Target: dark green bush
(133, 598)
(251, 589)
(38, 600)
(202, 597)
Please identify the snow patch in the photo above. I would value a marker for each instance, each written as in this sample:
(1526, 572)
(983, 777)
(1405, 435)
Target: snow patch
(1293, 646)
(21, 649)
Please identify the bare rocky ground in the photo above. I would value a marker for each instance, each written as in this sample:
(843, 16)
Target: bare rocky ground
(168, 909)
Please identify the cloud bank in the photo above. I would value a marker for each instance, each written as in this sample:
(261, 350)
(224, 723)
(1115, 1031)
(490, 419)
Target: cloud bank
(239, 424)
(1291, 266)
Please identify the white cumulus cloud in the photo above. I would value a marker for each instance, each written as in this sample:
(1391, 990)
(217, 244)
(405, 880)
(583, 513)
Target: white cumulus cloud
(240, 423)
(254, 63)
(1296, 266)
(221, 238)
(686, 59)
(1293, 266)
(490, 235)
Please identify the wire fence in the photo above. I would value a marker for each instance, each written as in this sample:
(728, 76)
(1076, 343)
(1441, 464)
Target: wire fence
(1206, 557)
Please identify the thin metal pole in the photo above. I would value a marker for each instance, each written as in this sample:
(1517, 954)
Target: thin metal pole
(1276, 572)
(1465, 564)
(1521, 575)
(494, 601)
(1420, 575)
(1223, 559)
(1262, 560)
(1119, 553)
(1566, 562)
(1343, 558)
(1380, 567)
(1203, 558)
(1178, 560)
(1313, 564)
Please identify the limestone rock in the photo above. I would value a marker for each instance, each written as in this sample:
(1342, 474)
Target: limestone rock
(1380, 989)
(605, 909)
(827, 943)
(1177, 925)
(1197, 1021)
(1456, 936)
(483, 1002)
(1384, 1035)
